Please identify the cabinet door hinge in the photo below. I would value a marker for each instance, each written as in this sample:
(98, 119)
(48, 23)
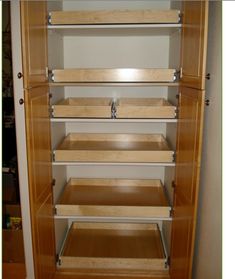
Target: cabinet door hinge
(174, 157)
(49, 18)
(173, 185)
(52, 77)
(47, 73)
(180, 17)
(53, 156)
(55, 210)
(57, 259)
(178, 96)
(175, 76)
(51, 111)
(53, 182)
(176, 112)
(172, 212)
(168, 262)
(181, 72)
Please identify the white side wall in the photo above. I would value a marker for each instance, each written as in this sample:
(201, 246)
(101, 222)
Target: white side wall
(114, 4)
(208, 257)
(21, 138)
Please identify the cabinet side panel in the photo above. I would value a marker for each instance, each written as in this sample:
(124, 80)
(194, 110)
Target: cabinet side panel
(209, 227)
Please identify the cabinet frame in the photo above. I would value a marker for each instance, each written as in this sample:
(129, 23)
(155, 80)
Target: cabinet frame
(39, 80)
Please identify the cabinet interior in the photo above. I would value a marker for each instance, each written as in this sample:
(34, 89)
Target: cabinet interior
(119, 47)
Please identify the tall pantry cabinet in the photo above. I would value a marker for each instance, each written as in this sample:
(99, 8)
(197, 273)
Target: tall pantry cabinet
(112, 98)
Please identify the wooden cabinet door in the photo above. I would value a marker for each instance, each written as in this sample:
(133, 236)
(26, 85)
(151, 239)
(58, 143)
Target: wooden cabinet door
(34, 42)
(194, 43)
(38, 137)
(188, 155)
(40, 180)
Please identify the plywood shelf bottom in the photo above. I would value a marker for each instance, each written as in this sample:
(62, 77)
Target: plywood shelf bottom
(112, 246)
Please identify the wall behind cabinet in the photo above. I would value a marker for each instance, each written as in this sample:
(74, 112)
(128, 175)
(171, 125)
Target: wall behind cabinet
(208, 257)
(114, 4)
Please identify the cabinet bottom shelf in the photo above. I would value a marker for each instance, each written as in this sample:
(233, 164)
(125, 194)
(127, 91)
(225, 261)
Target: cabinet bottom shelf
(113, 247)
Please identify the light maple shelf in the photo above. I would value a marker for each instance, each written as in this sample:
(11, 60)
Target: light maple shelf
(125, 148)
(83, 107)
(144, 108)
(113, 75)
(115, 22)
(108, 108)
(126, 16)
(113, 198)
(97, 246)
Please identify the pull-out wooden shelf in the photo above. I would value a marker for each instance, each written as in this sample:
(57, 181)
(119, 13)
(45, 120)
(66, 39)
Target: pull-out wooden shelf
(145, 108)
(114, 198)
(114, 17)
(108, 108)
(122, 75)
(83, 107)
(113, 246)
(114, 148)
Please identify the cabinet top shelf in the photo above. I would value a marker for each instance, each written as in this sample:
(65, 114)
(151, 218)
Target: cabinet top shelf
(115, 22)
(145, 16)
(114, 75)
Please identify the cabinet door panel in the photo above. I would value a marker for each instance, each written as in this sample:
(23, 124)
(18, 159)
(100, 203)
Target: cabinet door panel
(34, 42)
(39, 141)
(189, 140)
(45, 245)
(36, 96)
(194, 43)
(40, 179)
(181, 240)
